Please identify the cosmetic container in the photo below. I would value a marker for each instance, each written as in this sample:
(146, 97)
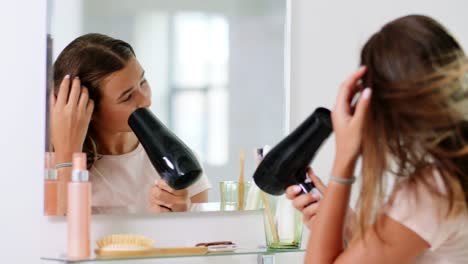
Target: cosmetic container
(50, 185)
(79, 210)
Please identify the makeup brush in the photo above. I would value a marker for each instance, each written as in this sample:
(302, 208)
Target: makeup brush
(241, 181)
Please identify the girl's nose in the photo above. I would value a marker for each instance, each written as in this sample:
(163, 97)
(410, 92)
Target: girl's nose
(144, 100)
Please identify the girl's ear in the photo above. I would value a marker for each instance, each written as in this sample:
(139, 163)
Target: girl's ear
(93, 116)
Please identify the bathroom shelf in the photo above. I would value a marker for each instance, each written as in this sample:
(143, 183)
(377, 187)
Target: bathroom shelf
(261, 252)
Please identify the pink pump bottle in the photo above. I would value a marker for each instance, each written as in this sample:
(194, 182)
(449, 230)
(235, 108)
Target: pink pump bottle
(79, 210)
(50, 185)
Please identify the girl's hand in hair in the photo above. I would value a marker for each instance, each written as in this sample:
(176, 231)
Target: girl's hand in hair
(348, 122)
(70, 115)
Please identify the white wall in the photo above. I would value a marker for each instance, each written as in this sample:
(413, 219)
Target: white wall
(326, 41)
(69, 12)
(22, 78)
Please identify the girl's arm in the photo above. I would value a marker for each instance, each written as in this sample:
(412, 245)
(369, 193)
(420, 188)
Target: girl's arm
(70, 115)
(387, 241)
(200, 197)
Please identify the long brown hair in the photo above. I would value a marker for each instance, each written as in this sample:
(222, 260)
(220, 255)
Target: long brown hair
(416, 71)
(91, 57)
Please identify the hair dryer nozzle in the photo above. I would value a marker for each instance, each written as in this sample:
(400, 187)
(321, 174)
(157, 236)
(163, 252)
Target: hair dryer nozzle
(286, 164)
(172, 159)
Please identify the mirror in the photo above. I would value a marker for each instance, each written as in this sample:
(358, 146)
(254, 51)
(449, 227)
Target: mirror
(217, 75)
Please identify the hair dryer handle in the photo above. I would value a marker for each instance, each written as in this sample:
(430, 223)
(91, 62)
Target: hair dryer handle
(308, 187)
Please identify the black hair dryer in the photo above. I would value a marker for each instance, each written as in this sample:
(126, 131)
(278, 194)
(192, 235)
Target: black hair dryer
(171, 158)
(286, 164)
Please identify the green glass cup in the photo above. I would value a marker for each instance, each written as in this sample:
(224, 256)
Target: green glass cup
(229, 191)
(283, 223)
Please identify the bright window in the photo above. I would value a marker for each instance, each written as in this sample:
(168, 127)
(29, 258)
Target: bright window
(198, 78)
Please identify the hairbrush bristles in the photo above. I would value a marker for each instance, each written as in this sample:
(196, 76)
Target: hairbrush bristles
(125, 242)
